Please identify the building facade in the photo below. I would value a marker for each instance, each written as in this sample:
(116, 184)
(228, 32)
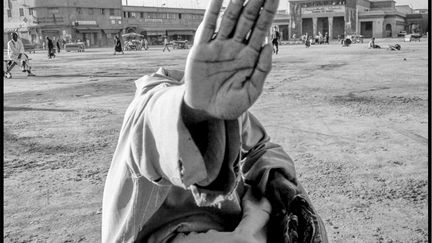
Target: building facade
(378, 18)
(96, 22)
(92, 21)
(156, 22)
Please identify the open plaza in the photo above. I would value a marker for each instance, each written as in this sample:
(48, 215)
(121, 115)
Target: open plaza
(353, 119)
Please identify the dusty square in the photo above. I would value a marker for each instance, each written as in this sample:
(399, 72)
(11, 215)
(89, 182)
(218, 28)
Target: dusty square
(354, 120)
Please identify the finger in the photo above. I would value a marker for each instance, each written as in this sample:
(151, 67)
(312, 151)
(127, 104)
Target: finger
(247, 19)
(208, 25)
(262, 68)
(230, 18)
(263, 24)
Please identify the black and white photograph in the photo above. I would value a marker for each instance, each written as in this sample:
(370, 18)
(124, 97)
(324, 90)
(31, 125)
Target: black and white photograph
(216, 121)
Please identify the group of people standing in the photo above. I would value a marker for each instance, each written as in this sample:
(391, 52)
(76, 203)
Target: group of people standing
(319, 39)
(144, 45)
(51, 47)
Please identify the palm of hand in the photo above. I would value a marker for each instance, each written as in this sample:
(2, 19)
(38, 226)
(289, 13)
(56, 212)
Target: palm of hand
(225, 73)
(219, 76)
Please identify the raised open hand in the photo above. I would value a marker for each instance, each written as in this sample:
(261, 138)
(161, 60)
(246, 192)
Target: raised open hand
(225, 72)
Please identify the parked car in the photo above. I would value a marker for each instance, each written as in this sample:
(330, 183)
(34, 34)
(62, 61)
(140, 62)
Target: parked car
(179, 44)
(416, 36)
(78, 46)
(402, 34)
(413, 37)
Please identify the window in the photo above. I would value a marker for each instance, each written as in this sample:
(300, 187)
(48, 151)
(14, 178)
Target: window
(113, 21)
(180, 15)
(102, 11)
(129, 15)
(142, 15)
(112, 12)
(171, 16)
(21, 11)
(56, 10)
(30, 11)
(9, 13)
(133, 14)
(90, 11)
(78, 10)
(156, 15)
(119, 22)
(197, 16)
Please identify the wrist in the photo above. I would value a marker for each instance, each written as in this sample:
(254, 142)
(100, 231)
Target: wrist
(191, 115)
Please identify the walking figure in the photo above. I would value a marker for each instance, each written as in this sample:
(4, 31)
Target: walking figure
(166, 45)
(307, 40)
(275, 39)
(145, 44)
(51, 51)
(118, 46)
(58, 45)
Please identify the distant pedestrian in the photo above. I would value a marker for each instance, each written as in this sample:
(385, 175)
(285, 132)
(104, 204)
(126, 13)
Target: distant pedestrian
(275, 39)
(141, 44)
(307, 40)
(166, 43)
(373, 45)
(58, 45)
(396, 47)
(326, 36)
(146, 46)
(51, 51)
(118, 46)
(320, 38)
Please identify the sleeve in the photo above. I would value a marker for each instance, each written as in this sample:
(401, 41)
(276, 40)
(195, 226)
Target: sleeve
(21, 47)
(154, 140)
(259, 155)
(10, 50)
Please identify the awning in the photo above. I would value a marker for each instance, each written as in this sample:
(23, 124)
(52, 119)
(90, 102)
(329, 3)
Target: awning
(8, 30)
(112, 31)
(181, 32)
(87, 27)
(156, 33)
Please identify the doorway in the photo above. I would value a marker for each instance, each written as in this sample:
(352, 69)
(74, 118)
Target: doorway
(323, 25)
(366, 29)
(388, 30)
(307, 26)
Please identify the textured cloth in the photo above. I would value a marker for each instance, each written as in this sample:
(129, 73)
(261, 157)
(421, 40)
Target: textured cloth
(118, 47)
(15, 48)
(17, 56)
(160, 184)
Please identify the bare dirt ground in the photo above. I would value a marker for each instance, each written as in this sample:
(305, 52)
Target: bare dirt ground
(354, 120)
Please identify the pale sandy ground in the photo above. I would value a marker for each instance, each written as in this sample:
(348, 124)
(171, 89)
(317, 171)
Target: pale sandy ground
(354, 120)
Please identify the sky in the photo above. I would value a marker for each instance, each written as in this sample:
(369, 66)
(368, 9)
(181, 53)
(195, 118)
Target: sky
(203, 3)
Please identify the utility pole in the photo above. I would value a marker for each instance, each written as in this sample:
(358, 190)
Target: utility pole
(357, 21)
